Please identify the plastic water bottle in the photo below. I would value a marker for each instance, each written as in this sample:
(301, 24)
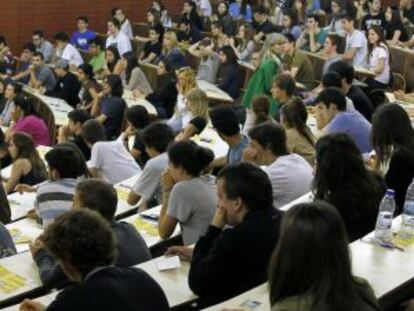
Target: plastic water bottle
(384, 221)
(407, 223)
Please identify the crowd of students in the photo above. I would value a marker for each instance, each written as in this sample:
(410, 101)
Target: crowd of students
(227, 207)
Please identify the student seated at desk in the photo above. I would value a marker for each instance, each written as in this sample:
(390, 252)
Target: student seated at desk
(223, 17)
(171, 51)
(72, 131)
(392, 138)
(28, 168)
(196, 105)
(241, 10)
(225, 263)
(342, 180)
(356, 45)
(153, 20)
(11, 91)
(299, 64)
(96, 50)
(66, 51)
(229, 80)
(89, 92)
(41, 76)
(189, 198)
(110, 109)
(260, 112)
(290, 24)
(26, 119)
(133, 78)
(42, 45)
(80, 38)
(124, 23)
(330, 51)
(243, 43)
(313, 37)
(110, 160)
(333, 79)
(290, 175)
(295, 286)
(156, 138)
(188, 33)
(209, 60)
(361, 101)
(101, 197)
(261, 23)
(152, 49)
(117, 38)
(283, 87)
(225, 122)
(112, 64)
(300, 140)
(191, 15)
(165, 95)
(331, 117)
(67, 86)
(72, 240)
(23, 70)
(395, 31)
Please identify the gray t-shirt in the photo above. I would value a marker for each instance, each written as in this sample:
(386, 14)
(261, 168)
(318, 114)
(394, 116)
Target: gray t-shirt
(148, 184)
(46, 77)
(358, 40)
(207, 70)
(193, 203)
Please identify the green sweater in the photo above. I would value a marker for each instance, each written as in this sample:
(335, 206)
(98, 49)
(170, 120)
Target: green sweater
(260, 84)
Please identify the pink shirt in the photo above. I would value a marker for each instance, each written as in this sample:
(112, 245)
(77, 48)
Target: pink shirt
(35, 127)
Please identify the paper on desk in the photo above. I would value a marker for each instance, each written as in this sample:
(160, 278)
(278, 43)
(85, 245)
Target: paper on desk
(168, 263)
(19, 237)
(10, 282)
(145, 226)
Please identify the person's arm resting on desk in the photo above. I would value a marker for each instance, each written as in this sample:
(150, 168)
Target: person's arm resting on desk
(167, 224)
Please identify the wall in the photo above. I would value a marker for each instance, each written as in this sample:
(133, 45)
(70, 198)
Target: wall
(21, 17)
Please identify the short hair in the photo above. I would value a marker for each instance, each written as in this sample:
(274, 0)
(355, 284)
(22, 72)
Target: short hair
(286, 83)
(189, 156)
(224, 120)
(79, 116)
(332, 95)
(39, 54)
(96, 41)
(348, 17)
(270, 136)
(87, 70)
(98, 195)
(332, 79)
(115, 22)
(84, 19)
(344, 69)
(314, 16)
(289, 38)
(93, 131)
(335, 40)
(158, 136)
(61, 36)
(63, 160)
(249, 183)
(81, 238)
(115, 82)
(38, 33)
(259, 9)
(30, 47)
(138, 116)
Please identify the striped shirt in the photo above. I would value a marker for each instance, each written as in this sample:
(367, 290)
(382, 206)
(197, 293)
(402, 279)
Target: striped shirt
(53, 198)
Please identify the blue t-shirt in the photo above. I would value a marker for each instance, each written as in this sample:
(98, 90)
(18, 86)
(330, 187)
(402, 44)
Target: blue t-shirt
(235, 153)
(355, 125)
(234, 11)
(80, 39)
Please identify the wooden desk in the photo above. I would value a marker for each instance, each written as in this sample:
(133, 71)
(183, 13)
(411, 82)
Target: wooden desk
(213, 92)
(131, 100)
(259, 294)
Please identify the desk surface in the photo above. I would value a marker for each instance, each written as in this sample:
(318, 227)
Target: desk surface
(364, 71)
(210, 139)
(213, 92)
(131, 100)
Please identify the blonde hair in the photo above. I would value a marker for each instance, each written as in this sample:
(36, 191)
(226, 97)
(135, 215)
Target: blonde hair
(170, 35)
(271, 39)
(188, 75)
(197, 103)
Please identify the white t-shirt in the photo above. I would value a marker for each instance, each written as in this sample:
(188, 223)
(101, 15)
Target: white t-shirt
(71, 54)
(121, 41)
(148, 184)
(381, 52)
(113, 161)
(291, 177)
(205, 7)
(127, 29)
(358, 40)
(193, 203)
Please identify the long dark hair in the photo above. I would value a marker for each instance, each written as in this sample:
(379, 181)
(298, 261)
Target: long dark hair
(320, 267)
(261, 108)
(113, 50)
(230, 55)
(27, 150)
(391, 129)
(381, 39)
(26, 105)
(132, 62)
(342, 179)
(295, 115)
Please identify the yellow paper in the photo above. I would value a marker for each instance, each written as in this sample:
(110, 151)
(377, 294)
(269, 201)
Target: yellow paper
(10, 282)
(403, 242)
(19, 237)
(122, 194)
(144, 226)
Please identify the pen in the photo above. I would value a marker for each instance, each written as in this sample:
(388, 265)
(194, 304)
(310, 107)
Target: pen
(391, 245)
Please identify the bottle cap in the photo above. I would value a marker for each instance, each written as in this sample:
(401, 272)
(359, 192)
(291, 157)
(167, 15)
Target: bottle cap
(390, 193)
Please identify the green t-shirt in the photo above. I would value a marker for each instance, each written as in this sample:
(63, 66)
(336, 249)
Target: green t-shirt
(301, 61)
(320, 38)
(98, 62)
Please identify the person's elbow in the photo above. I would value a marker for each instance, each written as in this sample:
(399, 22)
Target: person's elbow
(166, 228)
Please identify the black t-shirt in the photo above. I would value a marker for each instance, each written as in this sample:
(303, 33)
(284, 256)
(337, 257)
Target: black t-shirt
(373, 20)
(152, 48)
(83, 147)
(361, 102)
(139, 145)
(391, 28)
(266, 27)
(67, 88)
(409, 14)
(113, 108)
